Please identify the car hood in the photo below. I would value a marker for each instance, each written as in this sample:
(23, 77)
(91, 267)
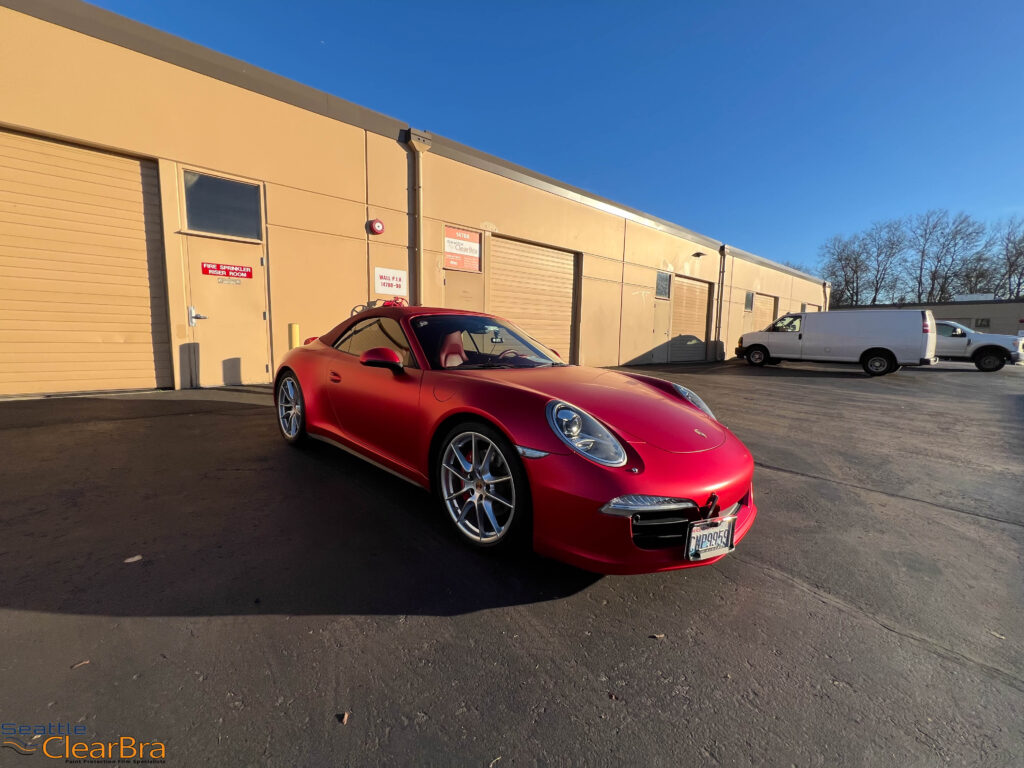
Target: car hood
(995, 338)
(637, 411)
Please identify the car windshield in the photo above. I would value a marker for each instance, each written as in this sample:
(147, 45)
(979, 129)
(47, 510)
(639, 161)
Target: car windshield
(467, 342)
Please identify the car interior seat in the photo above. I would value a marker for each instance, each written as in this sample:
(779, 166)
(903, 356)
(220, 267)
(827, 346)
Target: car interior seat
(453, 354)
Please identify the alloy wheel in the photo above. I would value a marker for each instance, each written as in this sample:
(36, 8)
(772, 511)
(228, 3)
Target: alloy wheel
(289, 407)
(477, 487)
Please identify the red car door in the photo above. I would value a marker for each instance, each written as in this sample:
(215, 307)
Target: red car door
(375, 408)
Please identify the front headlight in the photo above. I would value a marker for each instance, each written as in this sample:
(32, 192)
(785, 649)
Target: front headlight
(693, 397)
(585, 434)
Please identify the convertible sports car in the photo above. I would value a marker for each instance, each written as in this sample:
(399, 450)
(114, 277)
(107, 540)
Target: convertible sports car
(612, 472)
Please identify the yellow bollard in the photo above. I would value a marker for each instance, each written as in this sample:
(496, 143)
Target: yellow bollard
(293, 336)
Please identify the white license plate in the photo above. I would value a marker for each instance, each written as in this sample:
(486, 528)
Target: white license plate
(709, 538)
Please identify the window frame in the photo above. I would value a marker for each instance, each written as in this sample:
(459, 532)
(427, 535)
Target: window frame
(188, 229)
(667, 296)
(351, 331)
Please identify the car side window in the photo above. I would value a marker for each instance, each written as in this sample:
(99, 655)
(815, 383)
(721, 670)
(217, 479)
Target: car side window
(945, 330)
(787, 324)
(376, 332)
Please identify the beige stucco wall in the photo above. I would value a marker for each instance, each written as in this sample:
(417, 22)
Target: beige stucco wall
(105, 96)
(742, 276)
(323, 180)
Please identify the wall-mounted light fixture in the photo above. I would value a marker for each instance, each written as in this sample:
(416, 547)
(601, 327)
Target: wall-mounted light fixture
(698, 254)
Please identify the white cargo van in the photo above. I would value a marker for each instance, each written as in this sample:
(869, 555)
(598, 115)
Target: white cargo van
(881, 340)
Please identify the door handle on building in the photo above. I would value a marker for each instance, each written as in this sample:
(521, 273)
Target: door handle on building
(193, 316)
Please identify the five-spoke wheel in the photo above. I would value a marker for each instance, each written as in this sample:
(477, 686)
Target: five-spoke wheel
(291, 409)
(481, 485)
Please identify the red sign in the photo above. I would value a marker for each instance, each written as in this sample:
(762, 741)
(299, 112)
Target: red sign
(226, 270)
(461, 249)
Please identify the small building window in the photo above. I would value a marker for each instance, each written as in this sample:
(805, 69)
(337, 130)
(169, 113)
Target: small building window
(983, 322)
(663, 285)
(748, 302)
(803, 306)
(222, 206)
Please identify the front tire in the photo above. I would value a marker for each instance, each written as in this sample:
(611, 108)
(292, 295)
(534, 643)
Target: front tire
(878, 362)
(989, 361)
(291, 409)
(757, 355)
(482, 487)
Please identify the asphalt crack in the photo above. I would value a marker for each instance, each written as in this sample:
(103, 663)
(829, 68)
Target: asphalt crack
(932, 646)
(889, 494)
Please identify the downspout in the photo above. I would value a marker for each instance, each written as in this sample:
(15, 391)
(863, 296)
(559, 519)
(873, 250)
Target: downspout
(824, 295)
(418, 143)
(720, 352)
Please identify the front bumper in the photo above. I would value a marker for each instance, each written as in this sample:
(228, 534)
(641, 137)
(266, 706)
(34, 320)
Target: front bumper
(741, 351)
(568, 493)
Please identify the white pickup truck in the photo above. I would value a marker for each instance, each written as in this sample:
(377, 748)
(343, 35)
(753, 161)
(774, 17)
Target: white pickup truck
(988, 351)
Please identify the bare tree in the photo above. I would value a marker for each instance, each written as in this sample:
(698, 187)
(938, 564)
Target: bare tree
(926, 258)
(962, 242)
(843, 264)
(923, 234)
(883, 245)
(1008, 259)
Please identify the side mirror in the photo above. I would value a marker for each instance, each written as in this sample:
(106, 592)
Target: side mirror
(381, 357)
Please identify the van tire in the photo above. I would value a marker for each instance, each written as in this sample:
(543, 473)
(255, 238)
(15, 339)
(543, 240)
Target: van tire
(989, 359)
(878, 362)
(757, 355)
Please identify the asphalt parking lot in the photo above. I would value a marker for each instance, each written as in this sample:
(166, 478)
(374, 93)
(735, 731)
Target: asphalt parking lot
(304, 608)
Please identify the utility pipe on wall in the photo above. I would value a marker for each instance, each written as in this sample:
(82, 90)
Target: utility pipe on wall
(418, 143)
(720, 352)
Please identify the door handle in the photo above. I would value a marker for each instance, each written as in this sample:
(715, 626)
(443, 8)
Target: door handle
(193, 316)
(799, 336)
(335, 376)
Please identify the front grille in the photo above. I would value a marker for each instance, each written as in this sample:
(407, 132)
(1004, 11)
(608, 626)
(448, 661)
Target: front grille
(658, 530)
(669, 528)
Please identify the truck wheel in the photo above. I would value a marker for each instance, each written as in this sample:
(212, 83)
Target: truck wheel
(878, 362)
(989, 360)
(757, 355)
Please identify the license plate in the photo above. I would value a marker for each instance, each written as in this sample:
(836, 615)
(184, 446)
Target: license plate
(709, 538)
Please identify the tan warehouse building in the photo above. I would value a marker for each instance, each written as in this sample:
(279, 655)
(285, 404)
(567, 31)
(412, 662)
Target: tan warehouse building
(166, 212)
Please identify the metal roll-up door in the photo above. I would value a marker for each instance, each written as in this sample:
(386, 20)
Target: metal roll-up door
(764, 311)
(689, 321)
(533, 287)
(82, 291)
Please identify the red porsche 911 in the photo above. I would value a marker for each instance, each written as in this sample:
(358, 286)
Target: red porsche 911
(612, 472)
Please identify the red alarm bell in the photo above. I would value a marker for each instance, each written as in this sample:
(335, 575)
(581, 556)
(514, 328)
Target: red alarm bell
(377, 226)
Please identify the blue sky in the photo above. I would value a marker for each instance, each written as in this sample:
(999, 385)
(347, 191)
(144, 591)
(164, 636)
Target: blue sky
(769, 125)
